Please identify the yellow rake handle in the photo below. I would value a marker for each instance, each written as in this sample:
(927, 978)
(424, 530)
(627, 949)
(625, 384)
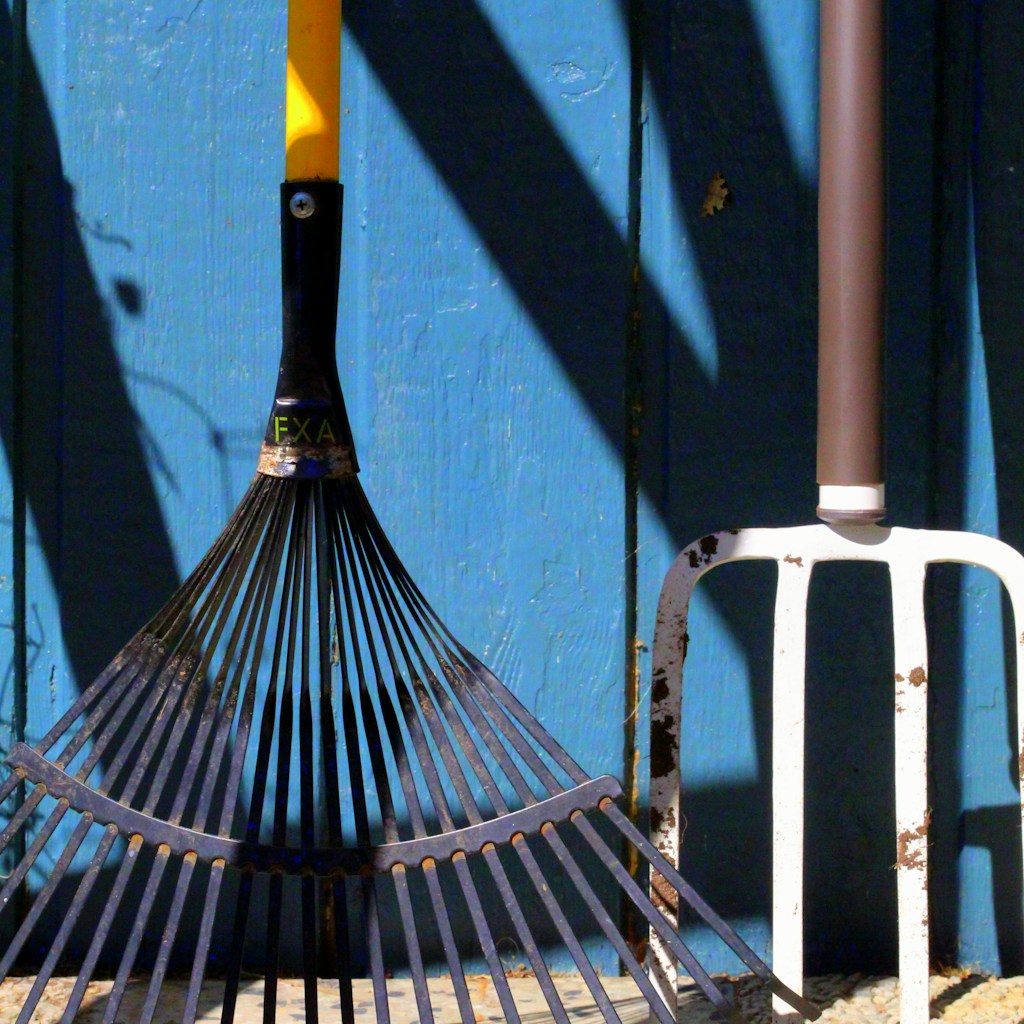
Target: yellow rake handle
(312, 106)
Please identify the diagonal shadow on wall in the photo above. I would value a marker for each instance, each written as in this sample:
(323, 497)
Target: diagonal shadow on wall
(106, 549)
(108, 553)
(477, 121)
(504, 163)
(712, 454)
(983, 216)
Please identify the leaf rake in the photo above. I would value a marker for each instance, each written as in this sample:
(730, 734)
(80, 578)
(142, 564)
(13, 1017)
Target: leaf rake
(297, 743)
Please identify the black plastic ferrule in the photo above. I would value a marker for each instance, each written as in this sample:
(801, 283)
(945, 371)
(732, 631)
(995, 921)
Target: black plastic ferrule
(308, 434)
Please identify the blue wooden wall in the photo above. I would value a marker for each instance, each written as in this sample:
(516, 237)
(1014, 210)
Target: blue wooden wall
(559, 372)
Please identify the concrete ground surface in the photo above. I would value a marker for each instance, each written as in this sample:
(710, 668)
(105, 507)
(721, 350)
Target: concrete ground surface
(856, 1000)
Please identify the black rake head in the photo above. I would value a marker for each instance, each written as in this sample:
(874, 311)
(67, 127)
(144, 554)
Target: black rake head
(296, 754)
(297, 743)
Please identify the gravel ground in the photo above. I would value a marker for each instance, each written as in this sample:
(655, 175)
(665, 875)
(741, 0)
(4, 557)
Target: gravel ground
(852, 1000)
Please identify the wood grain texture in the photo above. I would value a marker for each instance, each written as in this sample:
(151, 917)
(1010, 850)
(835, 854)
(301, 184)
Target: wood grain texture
(11, 639)
(729, 380)
(482, 346)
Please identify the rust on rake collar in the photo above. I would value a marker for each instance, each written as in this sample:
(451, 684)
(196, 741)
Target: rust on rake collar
(306, 461)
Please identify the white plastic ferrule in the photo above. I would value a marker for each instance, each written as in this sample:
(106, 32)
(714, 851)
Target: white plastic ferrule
(838, 502)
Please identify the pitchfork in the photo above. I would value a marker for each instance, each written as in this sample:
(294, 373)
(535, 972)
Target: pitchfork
(851, 501)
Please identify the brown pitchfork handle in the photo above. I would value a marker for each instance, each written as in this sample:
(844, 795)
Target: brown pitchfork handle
(851, 263)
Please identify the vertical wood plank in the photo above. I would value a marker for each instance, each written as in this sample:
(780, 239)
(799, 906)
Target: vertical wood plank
(728, 440)
(728, 257)
(487, 215)
(11, 515)
(152, 266)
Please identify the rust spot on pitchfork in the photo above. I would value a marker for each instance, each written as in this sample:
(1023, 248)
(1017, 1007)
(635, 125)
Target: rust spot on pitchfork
(906, 856)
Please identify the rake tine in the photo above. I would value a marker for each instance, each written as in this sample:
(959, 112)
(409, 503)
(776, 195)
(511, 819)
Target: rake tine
(217, 757)
(608, 926)
(424, 616)
(383, 607)
(306, 800)
(486, 939)
(686, 892)
(421, 699)
(132, 756)
(237, 948)
(335, 893)
(343, 951)
(540, 969)
(104, 717)
(284, 750)
(653, 915)
(373, 941)
(99, 939)
(491, 683)
(120, 663)
(387, 708)
(68, 924)
(195, 984)
(340, 584)
(26, 862)
(16, 823)
(169, 617)
(561, 923)
(348, 710)
(256, 804)
(11, 783)
(108, 687)
(451, 951)
(448, 711)
(491, 741)
(275, 906)
(141, 918)
(275, 902)
(419, 978)
(45, 894)
(167, 940)
(455, 774)
(174, 665)
(248, 705)
(159, 725)
(309, 947)
(252, 832)
(487, 688)
(385, 800)
(247, 626)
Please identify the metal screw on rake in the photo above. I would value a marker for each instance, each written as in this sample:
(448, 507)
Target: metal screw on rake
(297, 716)
(796, 551)
(851, 499)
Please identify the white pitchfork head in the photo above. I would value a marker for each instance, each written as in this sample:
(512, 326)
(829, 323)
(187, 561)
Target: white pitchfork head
(796, 550)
